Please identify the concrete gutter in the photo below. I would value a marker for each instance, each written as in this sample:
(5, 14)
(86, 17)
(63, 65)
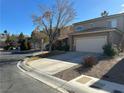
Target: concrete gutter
(47, 79)
(54, 82)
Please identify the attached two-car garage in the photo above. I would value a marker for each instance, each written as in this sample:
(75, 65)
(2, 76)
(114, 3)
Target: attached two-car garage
(90, 44)
(93, 41)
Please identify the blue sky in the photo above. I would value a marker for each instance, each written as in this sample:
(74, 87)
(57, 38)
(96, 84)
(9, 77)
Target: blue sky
(15, 15)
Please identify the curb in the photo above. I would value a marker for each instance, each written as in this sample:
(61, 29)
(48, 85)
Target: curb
(54, 82)
(46, 79)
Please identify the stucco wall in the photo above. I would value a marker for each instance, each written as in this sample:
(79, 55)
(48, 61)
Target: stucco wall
(104, 22)
(115, 38)
(121, 23)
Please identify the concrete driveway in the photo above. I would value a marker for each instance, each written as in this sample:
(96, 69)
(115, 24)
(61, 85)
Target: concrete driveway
(58, 63)
(73, 57)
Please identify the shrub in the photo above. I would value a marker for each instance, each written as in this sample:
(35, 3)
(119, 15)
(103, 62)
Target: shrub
(89, 61)
(110, 50)
(58, 47)
(7, 47)
(29, 45)
(24, 45)
(47, 47)
(63, 48)
(66, 48)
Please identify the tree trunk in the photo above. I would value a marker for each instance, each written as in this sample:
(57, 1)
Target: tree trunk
(41, 45)
(50, 45)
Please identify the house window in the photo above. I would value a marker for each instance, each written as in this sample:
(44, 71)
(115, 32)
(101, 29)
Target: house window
(108, 24)
(79, 28)
(113, 23)
(92, 24)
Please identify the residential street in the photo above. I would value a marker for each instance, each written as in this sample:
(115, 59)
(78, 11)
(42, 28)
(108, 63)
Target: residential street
(7, 56)
(12, 80)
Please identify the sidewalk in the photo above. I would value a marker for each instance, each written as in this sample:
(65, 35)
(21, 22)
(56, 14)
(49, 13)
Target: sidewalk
(100, 85)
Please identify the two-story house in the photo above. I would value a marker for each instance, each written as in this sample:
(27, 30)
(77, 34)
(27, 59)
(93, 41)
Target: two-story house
(92, 35)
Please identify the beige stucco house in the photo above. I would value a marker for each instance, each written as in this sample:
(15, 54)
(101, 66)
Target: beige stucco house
(64, 34)
(3, 38)
(92, 35)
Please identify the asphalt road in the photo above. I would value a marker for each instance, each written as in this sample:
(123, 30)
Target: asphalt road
(7, 56)
(12, 80)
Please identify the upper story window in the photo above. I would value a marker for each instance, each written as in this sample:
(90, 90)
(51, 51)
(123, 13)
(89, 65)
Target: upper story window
(113, 23)
(92, 24)
(79, 28)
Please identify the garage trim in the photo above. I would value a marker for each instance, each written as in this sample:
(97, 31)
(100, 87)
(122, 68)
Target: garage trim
(91, 43)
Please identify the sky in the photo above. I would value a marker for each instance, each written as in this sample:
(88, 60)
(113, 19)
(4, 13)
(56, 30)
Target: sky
(15, 15)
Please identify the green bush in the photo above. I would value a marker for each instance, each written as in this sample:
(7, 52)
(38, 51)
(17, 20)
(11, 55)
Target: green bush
(7, 47)
(110, 50)
(24, 45)
(63, 48)
(29, 45)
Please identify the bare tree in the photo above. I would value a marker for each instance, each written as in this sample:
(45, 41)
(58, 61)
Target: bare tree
(38, 37)
(55, 18)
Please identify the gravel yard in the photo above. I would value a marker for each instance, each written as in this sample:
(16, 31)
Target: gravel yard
(107, 69)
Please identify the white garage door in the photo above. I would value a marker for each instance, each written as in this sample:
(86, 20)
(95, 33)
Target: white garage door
(91, 44)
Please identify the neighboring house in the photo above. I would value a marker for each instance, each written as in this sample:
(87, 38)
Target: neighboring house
(63, 38)
(64, 34)
(3, 38)
(92, 35)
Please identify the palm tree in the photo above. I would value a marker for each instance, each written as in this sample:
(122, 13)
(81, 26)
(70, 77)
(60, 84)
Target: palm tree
(5, 32)
(104, 13)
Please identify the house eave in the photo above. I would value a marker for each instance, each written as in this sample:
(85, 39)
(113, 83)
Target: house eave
(94, 32)
(99, 18)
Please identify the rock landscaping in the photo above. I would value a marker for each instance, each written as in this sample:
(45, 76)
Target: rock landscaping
(107, 69)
